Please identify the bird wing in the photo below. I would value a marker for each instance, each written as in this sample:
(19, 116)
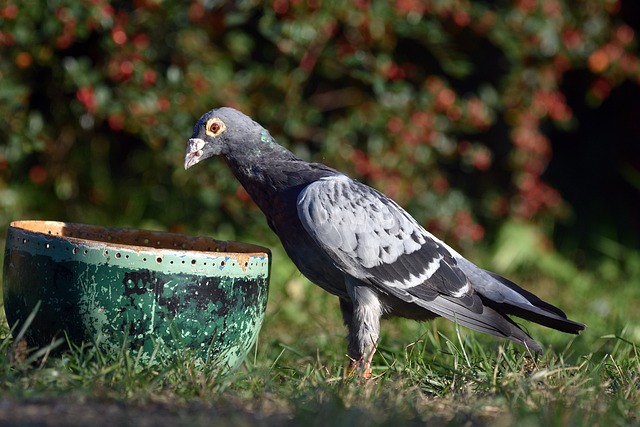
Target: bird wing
(370, 237)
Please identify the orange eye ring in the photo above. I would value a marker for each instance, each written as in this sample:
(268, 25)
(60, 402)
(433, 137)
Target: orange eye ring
(215, 127)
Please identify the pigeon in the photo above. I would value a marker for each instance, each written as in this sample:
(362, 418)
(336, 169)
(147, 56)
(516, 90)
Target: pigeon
(358, 244)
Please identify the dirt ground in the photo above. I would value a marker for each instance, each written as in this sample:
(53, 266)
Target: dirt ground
(95, 413)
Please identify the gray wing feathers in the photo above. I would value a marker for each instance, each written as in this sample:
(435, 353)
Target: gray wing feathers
(370, 237)
(488, 321)
(355, 223)
(484, 283)
(473, 314)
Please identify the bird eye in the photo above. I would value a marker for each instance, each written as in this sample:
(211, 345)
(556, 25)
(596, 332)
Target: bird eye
(215, 127)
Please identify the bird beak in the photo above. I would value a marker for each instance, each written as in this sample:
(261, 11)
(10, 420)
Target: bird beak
(194, 152)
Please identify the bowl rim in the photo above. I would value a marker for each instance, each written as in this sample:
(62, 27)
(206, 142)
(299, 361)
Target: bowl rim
(151, 239)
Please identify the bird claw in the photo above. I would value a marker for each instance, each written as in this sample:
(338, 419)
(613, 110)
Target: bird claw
(361, 365)
(359, 368)
(366, 373)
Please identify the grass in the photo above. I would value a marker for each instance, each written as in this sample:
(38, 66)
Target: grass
(425, 373)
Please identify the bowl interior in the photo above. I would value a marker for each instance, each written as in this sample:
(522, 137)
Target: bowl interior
(135, 238)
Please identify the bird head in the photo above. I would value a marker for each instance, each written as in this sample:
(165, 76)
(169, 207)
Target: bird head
(212, 134)
(229, 133)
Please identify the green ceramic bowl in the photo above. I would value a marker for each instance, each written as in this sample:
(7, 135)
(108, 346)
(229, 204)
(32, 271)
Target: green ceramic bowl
(148, 291)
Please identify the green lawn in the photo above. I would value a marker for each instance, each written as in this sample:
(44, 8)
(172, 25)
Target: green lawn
(425, 373)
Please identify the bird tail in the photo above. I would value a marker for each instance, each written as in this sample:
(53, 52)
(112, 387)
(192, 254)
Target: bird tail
(533, 308)
(507, 298)
(487, 320)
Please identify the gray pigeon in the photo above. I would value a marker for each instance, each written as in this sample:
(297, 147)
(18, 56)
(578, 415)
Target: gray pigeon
(358, 244)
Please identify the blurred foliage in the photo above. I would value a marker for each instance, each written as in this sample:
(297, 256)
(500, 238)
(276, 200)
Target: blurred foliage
(444, 105)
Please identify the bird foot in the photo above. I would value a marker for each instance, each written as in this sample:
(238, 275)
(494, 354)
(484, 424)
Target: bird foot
(360, 368)
(361, 364)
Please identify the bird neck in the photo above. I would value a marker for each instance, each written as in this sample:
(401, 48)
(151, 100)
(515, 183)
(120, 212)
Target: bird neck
(262, 171)
(270, 177)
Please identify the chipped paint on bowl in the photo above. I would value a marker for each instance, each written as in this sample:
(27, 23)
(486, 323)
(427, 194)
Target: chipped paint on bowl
(143, 289)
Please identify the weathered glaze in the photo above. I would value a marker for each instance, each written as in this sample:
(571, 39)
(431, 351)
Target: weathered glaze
(147, 290)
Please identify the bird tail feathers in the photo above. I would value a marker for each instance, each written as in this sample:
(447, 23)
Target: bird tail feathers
(534, 309)
(488, 321)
